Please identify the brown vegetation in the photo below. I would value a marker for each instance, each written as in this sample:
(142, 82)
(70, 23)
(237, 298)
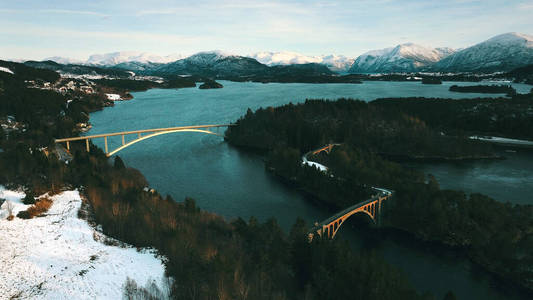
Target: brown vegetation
(41, 206)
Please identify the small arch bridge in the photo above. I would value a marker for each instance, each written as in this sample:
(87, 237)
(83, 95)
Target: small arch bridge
(371, 207)
(140, 135)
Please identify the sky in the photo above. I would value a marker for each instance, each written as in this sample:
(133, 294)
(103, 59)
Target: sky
(36, 29)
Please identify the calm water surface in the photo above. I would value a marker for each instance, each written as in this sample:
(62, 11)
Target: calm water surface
(234, 183)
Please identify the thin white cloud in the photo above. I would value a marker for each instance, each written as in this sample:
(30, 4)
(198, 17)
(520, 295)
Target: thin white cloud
(240, 26)
(40, 32)
(55, 11)
(234, 7)
(74, 12)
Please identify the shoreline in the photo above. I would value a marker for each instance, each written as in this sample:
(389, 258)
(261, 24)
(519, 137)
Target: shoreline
(463, 250)
(503, 141)
(294, 184)
(83, 255)
(407, 237)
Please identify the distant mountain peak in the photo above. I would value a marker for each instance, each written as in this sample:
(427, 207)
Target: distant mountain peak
(114, 58)
(337, 63)
(512, 37)
(64, 60)
(407, 57)
(503, 52)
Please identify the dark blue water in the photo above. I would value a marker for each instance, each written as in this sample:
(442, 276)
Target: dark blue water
(234, 183)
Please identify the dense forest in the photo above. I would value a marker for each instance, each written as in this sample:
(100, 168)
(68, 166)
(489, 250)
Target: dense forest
(431, 80)
(77, 69)
(373, 127)
(498, 236)
(505, 117)
(522, 74)
(143, 85)
(488, 89)
(208, 257)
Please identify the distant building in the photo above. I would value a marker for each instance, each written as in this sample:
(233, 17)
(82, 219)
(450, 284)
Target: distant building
(113, 97)
(87, 89)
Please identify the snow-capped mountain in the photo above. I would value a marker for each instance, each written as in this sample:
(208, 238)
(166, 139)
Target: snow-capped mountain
(337, 63)
(213, 63)
(115, 58)
(284, 58)
(64, 60)
(500, 53)
(407, 57)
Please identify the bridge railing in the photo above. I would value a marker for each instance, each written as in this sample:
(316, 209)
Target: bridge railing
(383, 195)
(79, 138)
(152, 132)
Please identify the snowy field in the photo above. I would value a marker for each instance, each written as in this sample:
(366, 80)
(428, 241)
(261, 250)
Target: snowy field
(495, 139)
(313, 164)
(3, 69)
(59, 256)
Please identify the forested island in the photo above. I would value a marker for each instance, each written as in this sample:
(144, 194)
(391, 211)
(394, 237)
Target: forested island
(207, 256)
(431, 80)
(497, 236)
(210, 84)
(488, 89)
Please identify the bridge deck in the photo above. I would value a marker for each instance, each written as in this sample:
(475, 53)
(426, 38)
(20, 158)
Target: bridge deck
(345, 211)
(383, 193)
(79, 138)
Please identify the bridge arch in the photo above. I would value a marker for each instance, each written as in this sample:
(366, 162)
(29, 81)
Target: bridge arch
(149, 133)
(128, 144)
(331, 229)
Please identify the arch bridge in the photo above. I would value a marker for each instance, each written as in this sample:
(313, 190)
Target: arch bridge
(326, 148)
(371, 207)
(140, 135)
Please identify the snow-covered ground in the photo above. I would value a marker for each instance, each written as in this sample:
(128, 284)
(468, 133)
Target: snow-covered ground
(383, 191)
(60, 256)
(313, 164)
(113, 97)
(3, 69)
(495, 139)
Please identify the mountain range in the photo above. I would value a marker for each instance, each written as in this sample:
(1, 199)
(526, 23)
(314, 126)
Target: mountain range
(336, 63)
(407, 57)
(498, 54)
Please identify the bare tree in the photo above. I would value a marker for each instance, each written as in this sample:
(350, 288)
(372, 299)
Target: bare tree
(132, 291)
(9, 207)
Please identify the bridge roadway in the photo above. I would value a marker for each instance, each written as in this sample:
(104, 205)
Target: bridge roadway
(140, 137)
(371, 207)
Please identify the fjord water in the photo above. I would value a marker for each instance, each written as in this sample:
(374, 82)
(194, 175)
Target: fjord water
(234, 183)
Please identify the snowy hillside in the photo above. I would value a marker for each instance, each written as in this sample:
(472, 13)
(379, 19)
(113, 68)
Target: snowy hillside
(138, 61)
(500, 53)
(337, 63)
(7, 70)
(110, 59)
(407, 57)
(64, 60)
(60, 256)
(207, 57)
